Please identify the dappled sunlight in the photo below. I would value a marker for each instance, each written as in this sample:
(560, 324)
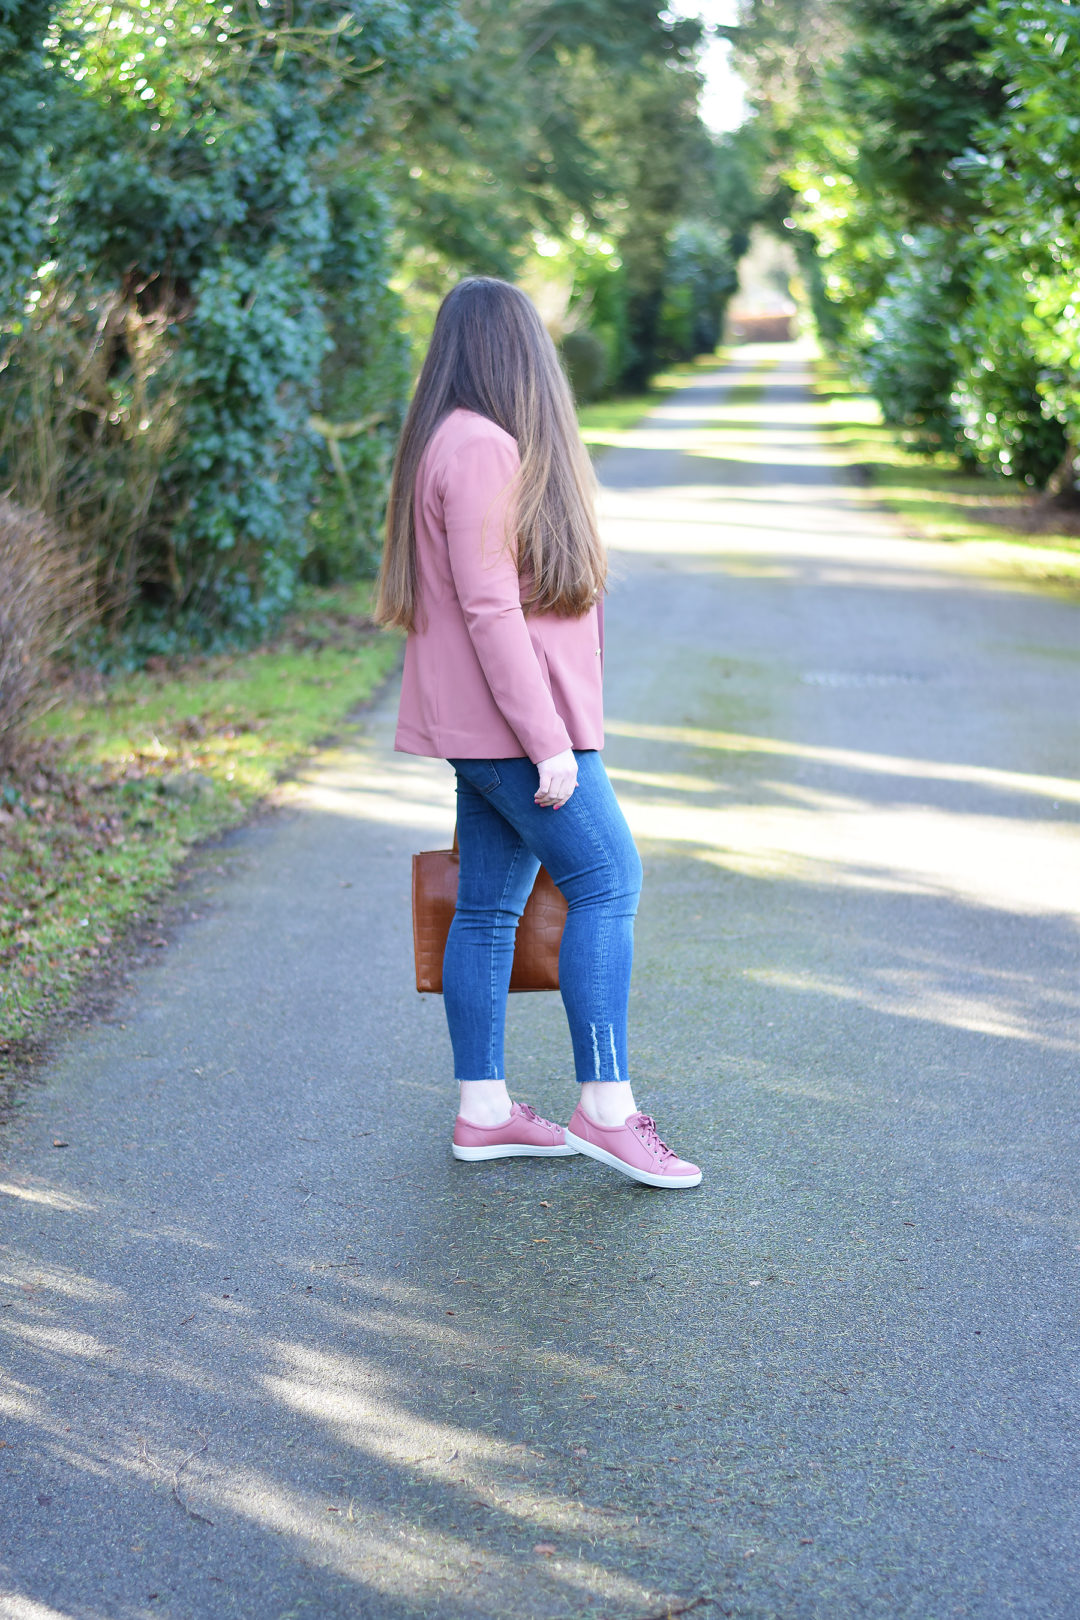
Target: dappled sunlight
(832, 834)
(673, 783)
(59, 1341)
(696, 499)
(731, 452)
(1059, 788)
(32, 1276)
(881, 824)
(822, 503)
(744, 568)
(51, 1196)
(375, 1548)
(830, 534)
(810, 798)
(752, 468)
(404, 791)
(13, 1606)
(733, 419)
(357, 1400)
(755, 420)
(1018, 866)
(831, 544)
(20, 1401)
(383, 1424)
(913, 993)
(350, 1397)
(412, 1558)
(456, 1343)
(781, 865)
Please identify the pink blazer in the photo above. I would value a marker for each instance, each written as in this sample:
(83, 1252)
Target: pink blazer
(483, 679)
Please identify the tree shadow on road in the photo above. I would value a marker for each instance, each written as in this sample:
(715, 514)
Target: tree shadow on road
(315, 1368)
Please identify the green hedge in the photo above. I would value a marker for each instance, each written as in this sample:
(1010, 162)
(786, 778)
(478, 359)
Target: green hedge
(195, 312)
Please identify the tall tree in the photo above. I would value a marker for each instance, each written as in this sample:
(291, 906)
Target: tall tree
(566, 113)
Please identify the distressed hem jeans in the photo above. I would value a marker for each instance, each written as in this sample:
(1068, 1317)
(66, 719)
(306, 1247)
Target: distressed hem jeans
(504, 838)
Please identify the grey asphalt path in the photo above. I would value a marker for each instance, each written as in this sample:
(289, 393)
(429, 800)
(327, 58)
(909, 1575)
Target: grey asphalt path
(267, 1353)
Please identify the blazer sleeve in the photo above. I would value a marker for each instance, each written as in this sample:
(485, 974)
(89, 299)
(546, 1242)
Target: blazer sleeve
(477, 499)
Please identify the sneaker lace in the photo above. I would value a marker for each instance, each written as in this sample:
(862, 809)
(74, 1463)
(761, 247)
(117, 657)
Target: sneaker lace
(530, 1113)
(651, 1136)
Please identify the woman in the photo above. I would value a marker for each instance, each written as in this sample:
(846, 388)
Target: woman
(494, 566)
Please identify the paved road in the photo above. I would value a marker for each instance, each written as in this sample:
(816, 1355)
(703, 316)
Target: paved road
(267, 1353)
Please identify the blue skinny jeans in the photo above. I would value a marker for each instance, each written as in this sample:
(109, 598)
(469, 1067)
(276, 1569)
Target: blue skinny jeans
(587, 847)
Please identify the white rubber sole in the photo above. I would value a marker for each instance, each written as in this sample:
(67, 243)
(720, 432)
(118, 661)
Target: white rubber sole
(510, 1150)
(646, 1177)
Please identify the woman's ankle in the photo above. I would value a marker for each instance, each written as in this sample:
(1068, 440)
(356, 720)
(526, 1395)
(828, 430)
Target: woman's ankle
(608, 1102)
(484, 1102)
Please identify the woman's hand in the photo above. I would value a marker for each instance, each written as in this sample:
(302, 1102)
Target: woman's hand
(558, 779)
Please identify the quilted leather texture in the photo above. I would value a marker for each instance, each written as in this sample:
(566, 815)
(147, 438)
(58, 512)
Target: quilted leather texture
(434, 896)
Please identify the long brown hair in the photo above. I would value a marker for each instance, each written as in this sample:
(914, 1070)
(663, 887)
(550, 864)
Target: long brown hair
(491, 354)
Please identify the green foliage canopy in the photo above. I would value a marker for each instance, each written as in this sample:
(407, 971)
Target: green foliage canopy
(570, 123)
(931, 152)
(218, 217)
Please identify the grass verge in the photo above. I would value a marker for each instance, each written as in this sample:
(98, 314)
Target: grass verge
(123, 776)
(1009, 527)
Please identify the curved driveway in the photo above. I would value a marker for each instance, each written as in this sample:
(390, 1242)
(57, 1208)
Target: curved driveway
(268, 1352)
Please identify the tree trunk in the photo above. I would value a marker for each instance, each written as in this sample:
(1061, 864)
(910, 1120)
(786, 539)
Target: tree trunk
(1063, 485)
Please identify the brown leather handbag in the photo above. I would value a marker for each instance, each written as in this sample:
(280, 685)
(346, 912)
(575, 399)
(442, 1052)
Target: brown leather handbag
(434, 897)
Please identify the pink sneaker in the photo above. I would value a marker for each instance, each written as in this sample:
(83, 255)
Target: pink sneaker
(634, 1148)
(524, 1135)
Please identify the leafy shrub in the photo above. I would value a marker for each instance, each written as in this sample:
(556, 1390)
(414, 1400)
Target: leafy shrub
(217, 215)
(41, 603)
(1026, 166)
(200, 246)
(27, 108)
(598, 300)
(699, 279)
(363, 385)
(242, 478)
(909, 357)
(999, 391)
(585, 358)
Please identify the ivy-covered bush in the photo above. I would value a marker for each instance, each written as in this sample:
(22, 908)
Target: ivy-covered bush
(24, 118)
(189, 188)
(242, 478)
(364, 381)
